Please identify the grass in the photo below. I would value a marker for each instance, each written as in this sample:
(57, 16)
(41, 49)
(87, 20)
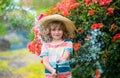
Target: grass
(33, 69)
(9, 54)
(3, 65)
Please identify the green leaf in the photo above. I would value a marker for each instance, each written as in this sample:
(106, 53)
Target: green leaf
(3, 29)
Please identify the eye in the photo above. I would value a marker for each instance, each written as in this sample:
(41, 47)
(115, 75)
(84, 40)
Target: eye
(59, 29)
(52, 29)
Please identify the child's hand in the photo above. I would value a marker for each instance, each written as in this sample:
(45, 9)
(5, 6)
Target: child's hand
(61, 60)
(54, 75)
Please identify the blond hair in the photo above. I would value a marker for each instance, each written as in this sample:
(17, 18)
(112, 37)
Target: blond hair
(47, 34)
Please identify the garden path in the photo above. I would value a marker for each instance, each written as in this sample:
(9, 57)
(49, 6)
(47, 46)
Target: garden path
(16, 62)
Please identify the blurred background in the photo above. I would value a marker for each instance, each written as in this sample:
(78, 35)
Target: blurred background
(16, 20)
(17, 17)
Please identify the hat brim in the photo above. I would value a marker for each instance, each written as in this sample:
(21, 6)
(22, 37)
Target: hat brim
(56, 17)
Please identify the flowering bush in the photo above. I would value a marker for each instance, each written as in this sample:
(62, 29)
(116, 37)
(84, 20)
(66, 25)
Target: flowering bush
(97, 38)
(35, 45)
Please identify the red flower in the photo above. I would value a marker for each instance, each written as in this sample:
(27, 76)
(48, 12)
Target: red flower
(97, 74)
(35, 46)
(110, 11)
(40, 16)
(75, 5)
(65, 6)
(97, 26)
(81, 30)
(35, 30)
(100, 25)
(31, 46)
(94, 26)
(37, 49)
(87, 37)
(72, 35)
(91, 12)
(107, 53)
(76, 46)
(112, 26)
(95, 1)
(117, 36)
(66, 13)
(87, 2)
(104, 2)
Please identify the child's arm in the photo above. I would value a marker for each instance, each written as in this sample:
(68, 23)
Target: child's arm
(47, 65)
(64, 57)
(67, 53)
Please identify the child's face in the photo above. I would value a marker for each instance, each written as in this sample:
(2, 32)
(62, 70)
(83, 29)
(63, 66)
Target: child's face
(56, 33)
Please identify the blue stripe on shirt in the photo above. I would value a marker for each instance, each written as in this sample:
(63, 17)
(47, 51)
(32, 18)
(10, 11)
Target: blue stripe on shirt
(60, 70)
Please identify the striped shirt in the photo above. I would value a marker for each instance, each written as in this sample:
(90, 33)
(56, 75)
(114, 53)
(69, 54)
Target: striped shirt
(54, 52)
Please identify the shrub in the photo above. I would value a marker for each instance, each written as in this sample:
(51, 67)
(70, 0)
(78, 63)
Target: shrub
(97, 38)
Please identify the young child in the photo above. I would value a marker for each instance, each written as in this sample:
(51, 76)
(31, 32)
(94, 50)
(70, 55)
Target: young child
(57, 49)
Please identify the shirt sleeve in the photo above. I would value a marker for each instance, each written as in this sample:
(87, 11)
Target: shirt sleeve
(69, 47)
(44, 51)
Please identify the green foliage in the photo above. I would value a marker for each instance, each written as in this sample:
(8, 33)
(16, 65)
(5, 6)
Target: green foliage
(4, 4)
(112, 64)
(21, 22)
(17, 22)
(42, 4)
(99, 35)
(90, 57)
(40, 11)
(31, 36)
(3, 29)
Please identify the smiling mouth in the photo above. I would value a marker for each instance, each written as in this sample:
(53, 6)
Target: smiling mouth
(56, 35)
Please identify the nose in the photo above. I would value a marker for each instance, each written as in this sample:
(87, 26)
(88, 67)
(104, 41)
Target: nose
(56, 31)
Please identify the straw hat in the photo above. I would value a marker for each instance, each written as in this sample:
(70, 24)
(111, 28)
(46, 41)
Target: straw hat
(56, 17)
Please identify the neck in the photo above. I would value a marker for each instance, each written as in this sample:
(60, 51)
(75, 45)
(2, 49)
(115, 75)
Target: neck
(57, 40)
